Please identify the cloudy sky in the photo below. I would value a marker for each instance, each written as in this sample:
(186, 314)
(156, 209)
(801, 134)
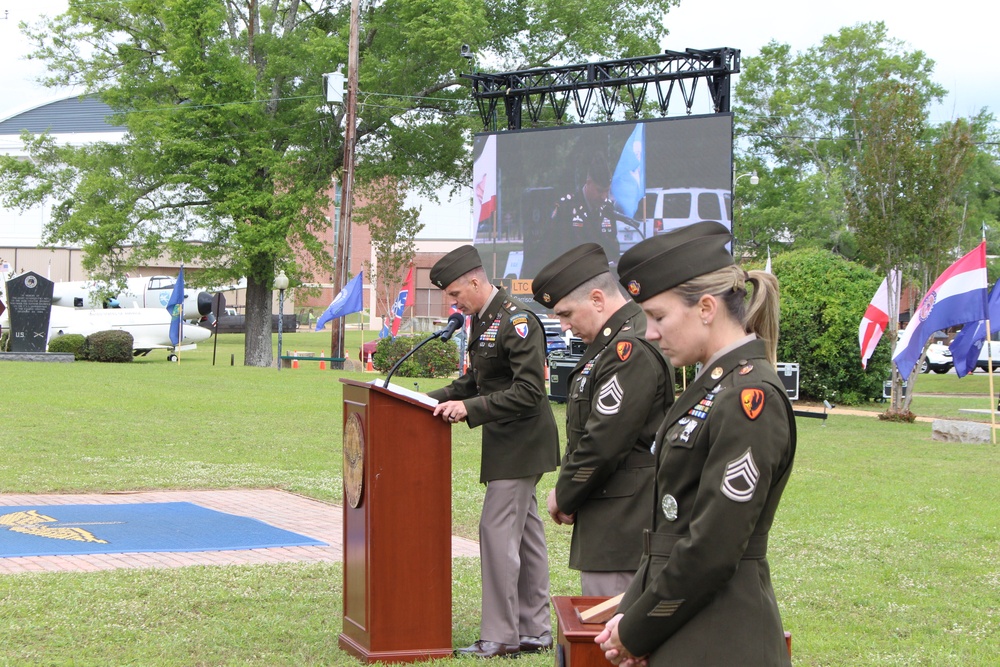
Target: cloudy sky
(958, 36)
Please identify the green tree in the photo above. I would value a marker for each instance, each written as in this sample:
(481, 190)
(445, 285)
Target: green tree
(227, 141)
(823, 298)
(393, 228)
(902, 200)
(796, 119)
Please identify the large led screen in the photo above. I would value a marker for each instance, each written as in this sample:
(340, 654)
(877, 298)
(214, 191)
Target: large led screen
(538, 193)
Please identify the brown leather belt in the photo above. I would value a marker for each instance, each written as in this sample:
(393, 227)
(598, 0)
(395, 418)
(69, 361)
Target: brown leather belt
(658, 544)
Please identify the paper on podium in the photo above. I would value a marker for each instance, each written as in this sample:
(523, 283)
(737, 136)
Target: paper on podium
(403, 391)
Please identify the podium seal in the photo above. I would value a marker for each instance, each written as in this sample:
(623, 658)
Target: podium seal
(354, 459)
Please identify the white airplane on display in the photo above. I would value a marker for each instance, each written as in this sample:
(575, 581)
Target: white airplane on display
(144, 292)
(150, 327)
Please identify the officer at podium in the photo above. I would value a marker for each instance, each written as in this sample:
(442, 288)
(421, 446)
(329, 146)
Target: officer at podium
(504, 392)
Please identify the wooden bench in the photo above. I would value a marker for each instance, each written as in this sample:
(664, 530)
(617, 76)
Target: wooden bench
(287, 359)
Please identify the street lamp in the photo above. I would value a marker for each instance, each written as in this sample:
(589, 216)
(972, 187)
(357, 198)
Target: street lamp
(754, 179)
(281, 282)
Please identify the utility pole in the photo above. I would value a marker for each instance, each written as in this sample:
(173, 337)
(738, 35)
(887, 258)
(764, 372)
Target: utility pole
(347, 187)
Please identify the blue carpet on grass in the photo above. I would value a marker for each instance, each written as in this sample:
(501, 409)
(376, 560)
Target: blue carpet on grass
(61, 530)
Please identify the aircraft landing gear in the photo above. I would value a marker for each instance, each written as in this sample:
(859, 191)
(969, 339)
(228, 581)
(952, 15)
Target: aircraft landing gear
(171, 357)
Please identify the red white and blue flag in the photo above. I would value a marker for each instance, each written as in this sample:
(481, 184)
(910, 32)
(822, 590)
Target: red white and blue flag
(956, 297)
(406, 298)
(876, 319)
(484, 179)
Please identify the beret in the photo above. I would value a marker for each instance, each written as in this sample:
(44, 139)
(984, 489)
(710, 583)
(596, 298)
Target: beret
(567, 272)
(454, 265)
(668, 260)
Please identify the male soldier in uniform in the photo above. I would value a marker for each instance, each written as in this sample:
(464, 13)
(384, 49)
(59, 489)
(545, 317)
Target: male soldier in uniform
(588, 216)
(504, 392)
(619, 393)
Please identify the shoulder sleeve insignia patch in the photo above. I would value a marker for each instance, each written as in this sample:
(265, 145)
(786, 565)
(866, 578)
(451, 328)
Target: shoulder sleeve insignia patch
(740, 479)
(752, 401)
(610, 395)
(624, 349)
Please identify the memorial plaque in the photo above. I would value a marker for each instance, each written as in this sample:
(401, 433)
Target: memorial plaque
(29, 300)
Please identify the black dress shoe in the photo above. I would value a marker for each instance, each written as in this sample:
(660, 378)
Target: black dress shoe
(535, 644)
(483, 649)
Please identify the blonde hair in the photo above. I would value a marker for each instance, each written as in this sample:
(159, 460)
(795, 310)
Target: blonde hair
(759, 315)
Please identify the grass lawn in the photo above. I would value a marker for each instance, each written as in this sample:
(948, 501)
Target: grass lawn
(885, 551)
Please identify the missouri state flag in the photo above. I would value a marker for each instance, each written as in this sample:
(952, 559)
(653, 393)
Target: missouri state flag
(956, 297)
(876, 318)
(406, 298)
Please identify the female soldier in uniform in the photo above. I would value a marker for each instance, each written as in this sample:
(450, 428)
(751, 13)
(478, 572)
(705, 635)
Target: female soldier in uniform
(703, 595)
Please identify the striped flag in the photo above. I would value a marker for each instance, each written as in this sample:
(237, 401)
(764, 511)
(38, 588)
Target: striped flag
(956, 297)
(876, 318)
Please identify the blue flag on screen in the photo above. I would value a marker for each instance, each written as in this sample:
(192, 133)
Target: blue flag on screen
(176, 308)
(969, 342)
(628, 185)
(350, 300)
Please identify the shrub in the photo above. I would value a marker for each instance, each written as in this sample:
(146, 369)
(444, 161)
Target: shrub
(69, 343)
(113, 346)
(823, 298)
(435, 359)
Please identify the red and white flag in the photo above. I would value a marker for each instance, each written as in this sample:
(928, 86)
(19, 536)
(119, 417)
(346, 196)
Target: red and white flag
(876, 319)
(484, 179)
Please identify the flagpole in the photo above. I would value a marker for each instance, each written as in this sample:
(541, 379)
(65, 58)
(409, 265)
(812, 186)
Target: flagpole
(989, 351)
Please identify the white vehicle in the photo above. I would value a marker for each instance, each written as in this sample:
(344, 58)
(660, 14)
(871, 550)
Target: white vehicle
(144, 292)
(667, 209)
(938, 359)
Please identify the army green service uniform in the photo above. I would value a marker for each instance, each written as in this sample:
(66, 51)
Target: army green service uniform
(504, 393)
(702, 596)
(619, 394)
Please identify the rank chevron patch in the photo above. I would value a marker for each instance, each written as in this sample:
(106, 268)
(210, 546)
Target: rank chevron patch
(740, 479)
(609, 399)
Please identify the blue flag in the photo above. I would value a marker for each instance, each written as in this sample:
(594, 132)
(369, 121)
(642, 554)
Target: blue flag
(628, 185)
(970, 340)
(350, 300)
(176, 308)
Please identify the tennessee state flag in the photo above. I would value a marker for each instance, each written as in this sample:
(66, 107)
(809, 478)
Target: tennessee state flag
(406, 298)
(956, 297)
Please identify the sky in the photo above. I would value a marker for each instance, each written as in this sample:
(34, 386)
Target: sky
(958, 36)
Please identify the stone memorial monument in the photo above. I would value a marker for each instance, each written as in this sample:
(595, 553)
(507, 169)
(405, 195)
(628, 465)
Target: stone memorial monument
(29, 306)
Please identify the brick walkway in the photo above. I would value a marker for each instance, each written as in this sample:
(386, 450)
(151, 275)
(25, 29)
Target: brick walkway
(319, 520)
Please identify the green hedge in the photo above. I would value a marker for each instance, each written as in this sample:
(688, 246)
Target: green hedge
(823, 298)
(435, 359)
(73, 343)
(113, 346)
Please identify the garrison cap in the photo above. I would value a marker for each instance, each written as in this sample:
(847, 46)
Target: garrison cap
(454, 265)
(567, 272)
(668, 260)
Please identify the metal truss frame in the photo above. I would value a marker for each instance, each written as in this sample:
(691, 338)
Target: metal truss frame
(611, 84)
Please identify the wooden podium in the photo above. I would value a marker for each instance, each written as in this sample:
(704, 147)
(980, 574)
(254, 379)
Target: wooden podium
(397, 527)
(575, 645)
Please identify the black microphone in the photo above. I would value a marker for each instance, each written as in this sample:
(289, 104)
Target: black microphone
(455, 322)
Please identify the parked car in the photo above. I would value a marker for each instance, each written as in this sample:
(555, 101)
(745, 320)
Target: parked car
(667, 209)
(554, 341)
(938, 359)
(985, 352)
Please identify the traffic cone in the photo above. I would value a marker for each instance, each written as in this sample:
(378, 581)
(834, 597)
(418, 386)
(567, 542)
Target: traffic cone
(369, 366)
(322, 364)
